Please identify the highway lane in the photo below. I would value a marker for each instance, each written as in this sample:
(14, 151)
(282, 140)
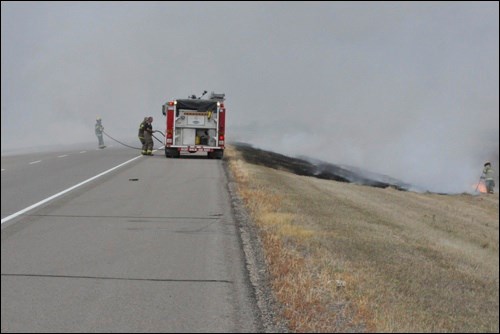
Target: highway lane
(149, 247)
(29, 178)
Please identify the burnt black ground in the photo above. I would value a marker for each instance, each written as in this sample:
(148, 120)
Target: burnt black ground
(316, 168)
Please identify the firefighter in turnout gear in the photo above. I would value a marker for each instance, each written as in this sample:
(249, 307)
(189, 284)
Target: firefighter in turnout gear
(98, 132)
(147, 148)
(142, 126)
(488, 175)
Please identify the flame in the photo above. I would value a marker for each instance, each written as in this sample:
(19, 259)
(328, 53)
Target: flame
(481, 187)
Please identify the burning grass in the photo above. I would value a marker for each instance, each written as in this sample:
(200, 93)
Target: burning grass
(350, 258)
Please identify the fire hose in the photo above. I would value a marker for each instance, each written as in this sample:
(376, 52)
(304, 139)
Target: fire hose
(137, 148)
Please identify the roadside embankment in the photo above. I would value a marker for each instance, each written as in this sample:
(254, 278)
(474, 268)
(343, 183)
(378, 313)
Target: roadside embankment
(343, 257)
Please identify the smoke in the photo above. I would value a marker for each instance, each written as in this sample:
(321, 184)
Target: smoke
(402, 89)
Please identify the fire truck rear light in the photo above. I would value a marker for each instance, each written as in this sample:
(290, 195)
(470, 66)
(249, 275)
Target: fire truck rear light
(169, 140)
(221, 137)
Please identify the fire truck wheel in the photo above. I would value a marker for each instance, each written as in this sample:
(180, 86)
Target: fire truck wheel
(218, 154)
(171, 153)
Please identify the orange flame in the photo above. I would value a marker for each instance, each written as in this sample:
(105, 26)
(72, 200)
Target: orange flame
(481, 187)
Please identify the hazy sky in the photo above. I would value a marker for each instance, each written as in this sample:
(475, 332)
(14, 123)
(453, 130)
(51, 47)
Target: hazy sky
(409, 90)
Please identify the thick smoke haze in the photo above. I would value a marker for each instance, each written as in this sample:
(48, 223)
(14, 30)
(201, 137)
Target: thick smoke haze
(405, 89)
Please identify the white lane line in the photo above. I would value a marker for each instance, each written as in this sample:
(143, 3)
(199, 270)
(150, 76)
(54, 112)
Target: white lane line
(83, 151)
(3, 169)
(62, 156)
(12, 216)
(35, 162)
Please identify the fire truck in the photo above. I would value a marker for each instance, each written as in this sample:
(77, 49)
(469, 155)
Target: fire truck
(195, 125)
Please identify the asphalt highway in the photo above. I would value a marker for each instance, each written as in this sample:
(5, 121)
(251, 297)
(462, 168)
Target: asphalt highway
(112, 241)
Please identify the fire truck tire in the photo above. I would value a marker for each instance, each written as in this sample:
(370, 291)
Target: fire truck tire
(171, 153)
(218, 154)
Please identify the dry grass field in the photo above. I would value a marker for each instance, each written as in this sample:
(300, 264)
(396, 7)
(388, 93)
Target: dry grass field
(353, 258)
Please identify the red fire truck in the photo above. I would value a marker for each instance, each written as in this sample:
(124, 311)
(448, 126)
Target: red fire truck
(195, 125)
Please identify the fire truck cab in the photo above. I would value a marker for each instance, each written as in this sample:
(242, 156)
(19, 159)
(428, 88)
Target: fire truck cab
(195, 125)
